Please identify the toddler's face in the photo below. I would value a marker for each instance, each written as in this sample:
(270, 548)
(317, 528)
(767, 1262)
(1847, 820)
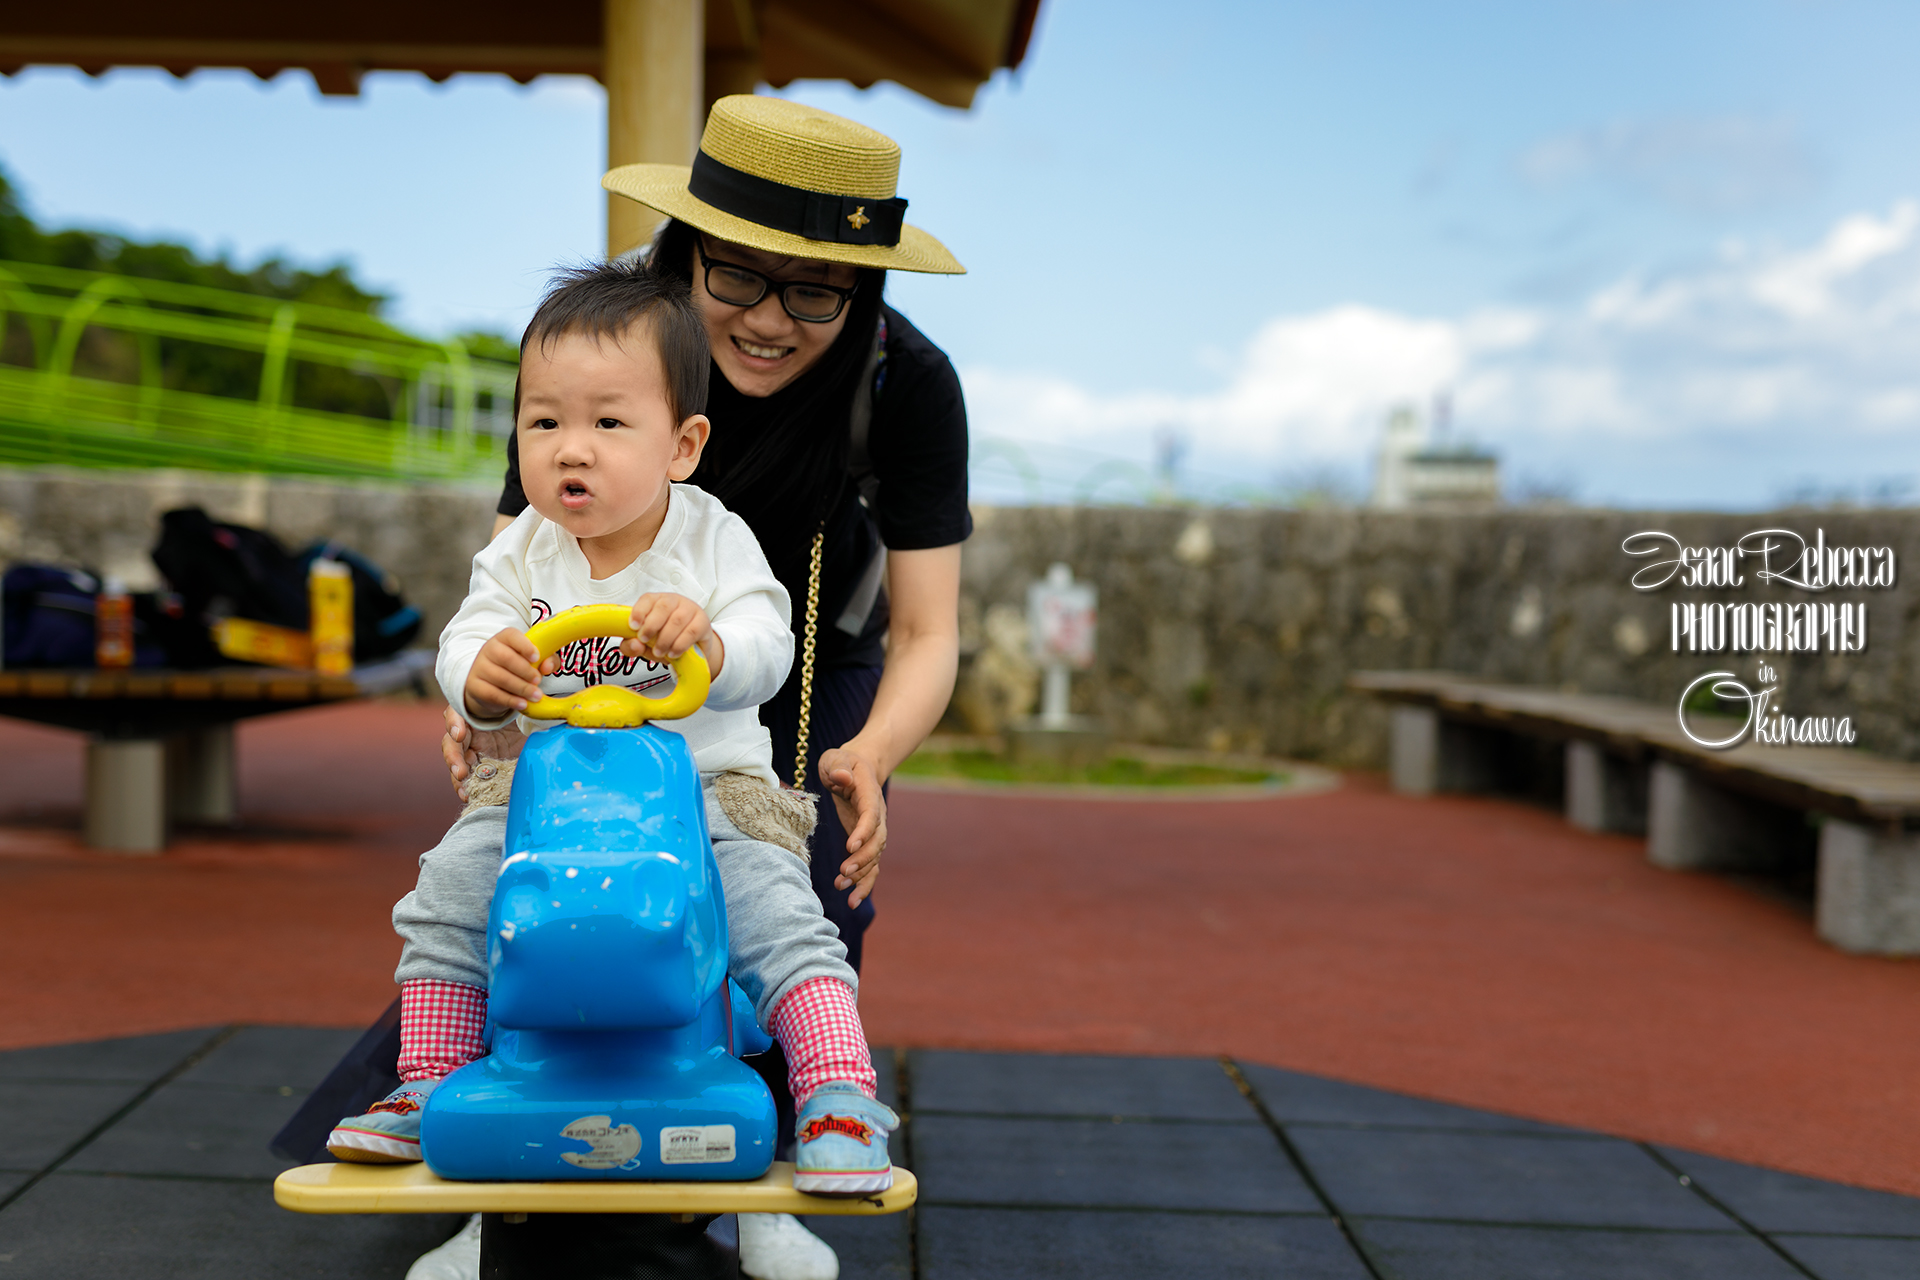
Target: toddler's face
(598, 441)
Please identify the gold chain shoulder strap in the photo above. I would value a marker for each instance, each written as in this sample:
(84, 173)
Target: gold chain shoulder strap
(806, 662)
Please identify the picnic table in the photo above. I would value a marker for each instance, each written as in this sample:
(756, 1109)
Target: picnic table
(1628, 767)
(160, 745)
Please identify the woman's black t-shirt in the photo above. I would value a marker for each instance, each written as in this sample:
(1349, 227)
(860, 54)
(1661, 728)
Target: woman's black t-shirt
(917, 451)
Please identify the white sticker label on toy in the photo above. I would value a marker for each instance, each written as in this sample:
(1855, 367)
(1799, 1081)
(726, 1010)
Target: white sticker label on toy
(613, 1145)
(697, 1144)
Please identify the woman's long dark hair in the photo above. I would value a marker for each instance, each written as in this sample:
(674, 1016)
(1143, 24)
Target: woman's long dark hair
(780, 461)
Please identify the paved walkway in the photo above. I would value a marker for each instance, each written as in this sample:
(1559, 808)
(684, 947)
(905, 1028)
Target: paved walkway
(147, 1157)
(1461, 950)
(1470, 950)
(283, 920)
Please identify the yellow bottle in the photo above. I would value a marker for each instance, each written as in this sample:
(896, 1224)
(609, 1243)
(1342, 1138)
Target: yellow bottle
(330, 597)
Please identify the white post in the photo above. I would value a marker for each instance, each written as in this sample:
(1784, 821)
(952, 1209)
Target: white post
(1586, 786)
(1061, 614)
(127, 795)
(1415, 750)
(1053, 698)
(1869, 894)
(1693, 825)
(200, 776)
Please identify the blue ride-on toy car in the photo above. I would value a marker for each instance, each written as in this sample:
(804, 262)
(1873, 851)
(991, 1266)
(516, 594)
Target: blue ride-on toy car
(616, 1033)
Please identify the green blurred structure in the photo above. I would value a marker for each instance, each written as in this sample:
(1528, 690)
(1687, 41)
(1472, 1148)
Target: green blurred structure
(98, 370)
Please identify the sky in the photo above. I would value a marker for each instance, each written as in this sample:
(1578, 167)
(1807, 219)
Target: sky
(1650, 254)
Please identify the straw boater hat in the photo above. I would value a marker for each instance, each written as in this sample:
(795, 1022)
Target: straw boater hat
(777, 176)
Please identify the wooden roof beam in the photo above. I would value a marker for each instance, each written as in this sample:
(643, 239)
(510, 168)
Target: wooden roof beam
(864, 44)
(345, 62)
(733, 50)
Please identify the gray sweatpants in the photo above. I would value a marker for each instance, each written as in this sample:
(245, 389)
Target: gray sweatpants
(777, 937)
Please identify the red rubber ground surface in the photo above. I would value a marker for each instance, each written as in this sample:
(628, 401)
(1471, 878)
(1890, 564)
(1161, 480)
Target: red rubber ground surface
(1470, 950)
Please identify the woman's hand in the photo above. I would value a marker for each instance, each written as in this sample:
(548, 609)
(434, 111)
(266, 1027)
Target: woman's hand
(854, 784)
(923, 650)
(463, 745)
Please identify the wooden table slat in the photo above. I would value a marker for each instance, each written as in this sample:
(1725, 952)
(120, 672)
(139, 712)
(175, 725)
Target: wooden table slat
(410, 668)
(48, 684)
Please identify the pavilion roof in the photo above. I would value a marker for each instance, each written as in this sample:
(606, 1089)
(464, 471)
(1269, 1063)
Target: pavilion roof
(943, 49)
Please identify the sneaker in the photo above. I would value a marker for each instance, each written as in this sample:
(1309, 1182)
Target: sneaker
(390, 1131)
(457, 1259)
(775, 1246)
(842, 1136)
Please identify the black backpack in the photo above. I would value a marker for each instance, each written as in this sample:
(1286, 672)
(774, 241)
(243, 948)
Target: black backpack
(232, 571)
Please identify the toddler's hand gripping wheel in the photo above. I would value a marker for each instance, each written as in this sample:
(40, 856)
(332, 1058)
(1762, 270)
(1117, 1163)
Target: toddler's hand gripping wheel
(615, 1025)
(608, 706)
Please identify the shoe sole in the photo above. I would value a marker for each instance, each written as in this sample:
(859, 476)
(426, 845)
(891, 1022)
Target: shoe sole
(861, 1182)
(363, 1147)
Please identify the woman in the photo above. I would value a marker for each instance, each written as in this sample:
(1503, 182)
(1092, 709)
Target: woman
(839, 435)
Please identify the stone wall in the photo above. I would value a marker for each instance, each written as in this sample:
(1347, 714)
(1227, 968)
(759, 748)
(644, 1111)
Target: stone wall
(1225, 629)
(1237, 629)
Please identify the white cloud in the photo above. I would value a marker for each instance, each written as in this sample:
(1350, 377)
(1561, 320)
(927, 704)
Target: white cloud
(1800, 361)
(1311, 386)
(1801, 285)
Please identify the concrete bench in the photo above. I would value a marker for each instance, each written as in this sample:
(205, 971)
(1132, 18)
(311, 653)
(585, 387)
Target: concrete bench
(160, 744)
(1627, 767)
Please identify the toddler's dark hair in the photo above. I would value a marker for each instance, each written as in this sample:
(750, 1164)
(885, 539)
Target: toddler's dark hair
(609, 299)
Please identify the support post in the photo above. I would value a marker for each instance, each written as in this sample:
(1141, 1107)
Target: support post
(1415, 750)
(1053, 698)
(1693, 825)
(653, 56)
(200, 776)
(1604, 792)
(127, 795)
(733, 50)
(1869, 894)
(1429, 753)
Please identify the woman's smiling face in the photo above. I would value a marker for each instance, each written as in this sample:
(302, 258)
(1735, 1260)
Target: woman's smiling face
(761, 348)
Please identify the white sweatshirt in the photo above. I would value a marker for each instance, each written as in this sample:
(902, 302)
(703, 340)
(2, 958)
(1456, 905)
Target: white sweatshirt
(536, 569)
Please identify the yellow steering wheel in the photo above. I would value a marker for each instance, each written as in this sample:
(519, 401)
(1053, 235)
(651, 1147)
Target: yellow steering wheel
(608, 706)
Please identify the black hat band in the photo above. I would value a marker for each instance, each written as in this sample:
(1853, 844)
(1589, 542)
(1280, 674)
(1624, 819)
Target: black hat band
(812, 215)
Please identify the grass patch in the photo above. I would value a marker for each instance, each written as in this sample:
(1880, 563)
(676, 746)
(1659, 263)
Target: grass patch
(1115, 771)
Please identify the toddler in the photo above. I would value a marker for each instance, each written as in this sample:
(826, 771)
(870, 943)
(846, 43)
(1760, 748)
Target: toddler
(613, 371)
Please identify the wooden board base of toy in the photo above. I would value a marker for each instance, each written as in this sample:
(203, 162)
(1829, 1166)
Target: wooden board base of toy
(414, 1188)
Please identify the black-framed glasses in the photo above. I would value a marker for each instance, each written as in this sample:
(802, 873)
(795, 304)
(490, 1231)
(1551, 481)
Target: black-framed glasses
(739, 286)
